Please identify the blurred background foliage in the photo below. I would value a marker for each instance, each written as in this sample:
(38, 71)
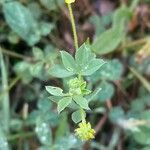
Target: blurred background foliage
(31, 35)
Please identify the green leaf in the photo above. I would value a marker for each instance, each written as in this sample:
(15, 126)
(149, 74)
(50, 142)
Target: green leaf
(63, 103)
(142, 136)
(94, 94)
(68, 61)
(45, 28)
(86, 61)
(55, 99)
(36, 70)
(37, 53)
(100, 23)
(116, 114)
(59, 72)
(107, 91)
(121, 15)
(68, 142)
(44, 133)
(111, 70)
(81, 101)
(76, 116)
(52, 4)
(93, 66)
(3, 141)
(108, 41)
(146, 148)
(35, 9)
(44, 104)
(83, 55)
(55, 91)
(20, 19)
(43, 148)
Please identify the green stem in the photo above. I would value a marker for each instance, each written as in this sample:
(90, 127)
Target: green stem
(5, 98)
(145, 82)
(14, 54)
(12, 84)
(73, 27)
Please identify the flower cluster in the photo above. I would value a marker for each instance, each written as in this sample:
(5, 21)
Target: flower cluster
(69, 1)
(85, 132)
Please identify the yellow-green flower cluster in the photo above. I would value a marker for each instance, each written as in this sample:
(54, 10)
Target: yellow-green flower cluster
(85, 132)
(69, 1)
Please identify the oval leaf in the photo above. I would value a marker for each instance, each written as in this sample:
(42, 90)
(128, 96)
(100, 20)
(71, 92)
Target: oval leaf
(63, 103)
(81, 101)
(56, 91)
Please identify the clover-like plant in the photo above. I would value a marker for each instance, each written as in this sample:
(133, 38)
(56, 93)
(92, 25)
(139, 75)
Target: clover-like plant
(83, 64)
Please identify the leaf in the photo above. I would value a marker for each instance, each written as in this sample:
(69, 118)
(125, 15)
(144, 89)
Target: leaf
(83, 55)
(3, 141)
(68, 61)
(52, 4)
(68, 142)
(37, 53)
(145, 148)
(86, 61)
(108, 41)
(76, 116)
(44, 133)
(43, 148)
(59, 72)
(81, 101)
(36, 70)
(142, 136)
(111, 70)
(45, 28)
(93, 66)
(44, 104)
(20, 19)
(100, 23)
(63, 103)
(55, 91)
(107, 91)
(94, 94)
(121, 15)
(116, 114)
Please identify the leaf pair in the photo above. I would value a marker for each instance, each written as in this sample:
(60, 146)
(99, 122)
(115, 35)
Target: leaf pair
(67, 100)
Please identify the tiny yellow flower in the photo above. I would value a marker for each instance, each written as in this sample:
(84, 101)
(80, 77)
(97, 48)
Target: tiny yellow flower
(69, 1)
(85, 132)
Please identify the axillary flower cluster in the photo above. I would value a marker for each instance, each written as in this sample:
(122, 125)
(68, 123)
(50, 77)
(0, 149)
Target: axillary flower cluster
(77, 86)
(84, 131)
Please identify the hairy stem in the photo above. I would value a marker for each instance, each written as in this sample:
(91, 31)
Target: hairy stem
(73, 27)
